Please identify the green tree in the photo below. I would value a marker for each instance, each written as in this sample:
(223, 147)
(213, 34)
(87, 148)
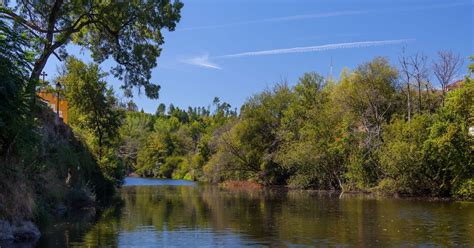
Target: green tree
(93, 112)
(153, 155)
(314, 146)
(131, 106)
(161, 110)
(367, 98)
(402, 156)
(448, 150)
(15, 119)
(127, 31)
(248, 149)
(134, 131)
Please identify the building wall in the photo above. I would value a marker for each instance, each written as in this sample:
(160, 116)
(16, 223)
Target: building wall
(52, 100)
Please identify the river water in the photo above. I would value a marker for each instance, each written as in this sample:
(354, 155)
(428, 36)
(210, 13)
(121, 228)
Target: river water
(177, 213)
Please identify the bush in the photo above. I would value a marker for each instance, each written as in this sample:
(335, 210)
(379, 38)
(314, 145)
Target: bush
(401, 155)
(389, 186)
(465, 190)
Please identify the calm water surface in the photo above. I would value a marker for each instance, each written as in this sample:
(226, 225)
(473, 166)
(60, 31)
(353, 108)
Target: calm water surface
(175, 213)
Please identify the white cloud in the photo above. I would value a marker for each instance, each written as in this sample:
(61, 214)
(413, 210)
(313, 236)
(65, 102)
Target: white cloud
(320, 48)
(202, 61)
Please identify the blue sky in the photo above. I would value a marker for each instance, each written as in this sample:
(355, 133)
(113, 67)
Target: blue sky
(236, 48)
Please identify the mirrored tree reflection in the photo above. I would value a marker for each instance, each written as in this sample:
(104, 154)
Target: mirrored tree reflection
(211, 216)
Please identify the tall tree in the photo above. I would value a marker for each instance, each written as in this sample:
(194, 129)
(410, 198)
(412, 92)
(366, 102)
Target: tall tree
(161, 110)
(127, 31)
(414, 69)
(15, 115)
(420, 74)
(405, 76)
(132, 106)
(446, 68)
(371, 96)
(92, 104)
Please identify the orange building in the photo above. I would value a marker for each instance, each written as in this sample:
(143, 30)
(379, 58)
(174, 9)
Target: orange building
(51, 100)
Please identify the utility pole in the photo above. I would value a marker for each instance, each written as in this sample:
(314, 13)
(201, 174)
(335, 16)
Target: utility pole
(58, 88)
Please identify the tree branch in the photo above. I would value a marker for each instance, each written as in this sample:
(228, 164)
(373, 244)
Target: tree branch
(8, 14)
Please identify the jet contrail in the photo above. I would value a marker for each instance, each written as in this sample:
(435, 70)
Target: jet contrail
(204, 61)
(320, 48)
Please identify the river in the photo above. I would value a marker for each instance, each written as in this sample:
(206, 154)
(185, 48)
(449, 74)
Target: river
(177, 213)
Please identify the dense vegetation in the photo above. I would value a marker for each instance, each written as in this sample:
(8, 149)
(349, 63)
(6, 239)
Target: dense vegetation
(45, 165)
(173, 143)
(354, 134)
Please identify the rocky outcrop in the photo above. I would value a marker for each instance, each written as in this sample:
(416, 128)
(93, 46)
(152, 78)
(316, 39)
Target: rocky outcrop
(19, 231)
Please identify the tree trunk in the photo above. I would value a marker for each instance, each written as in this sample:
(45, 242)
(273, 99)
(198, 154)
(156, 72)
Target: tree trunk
(419, 97)
(408, 102)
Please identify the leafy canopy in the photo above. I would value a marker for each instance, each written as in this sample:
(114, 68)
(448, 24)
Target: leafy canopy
(129, 32)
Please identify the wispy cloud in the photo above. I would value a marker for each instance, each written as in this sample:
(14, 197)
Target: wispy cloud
(204, 61)
(279, 19)
(329, 14)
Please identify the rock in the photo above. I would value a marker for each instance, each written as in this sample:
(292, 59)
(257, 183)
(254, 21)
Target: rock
(25, 230)
(6, 230)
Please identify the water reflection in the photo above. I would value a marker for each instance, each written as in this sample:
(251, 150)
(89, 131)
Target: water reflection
(205, 215)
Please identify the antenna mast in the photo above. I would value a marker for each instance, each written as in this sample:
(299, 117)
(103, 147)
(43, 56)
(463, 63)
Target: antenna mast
(330, 72)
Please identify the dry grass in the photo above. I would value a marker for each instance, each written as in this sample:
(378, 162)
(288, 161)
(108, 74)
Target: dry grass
(240, 185)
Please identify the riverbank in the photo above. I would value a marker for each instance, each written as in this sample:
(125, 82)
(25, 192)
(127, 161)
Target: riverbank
(375, 192)
(53, 174)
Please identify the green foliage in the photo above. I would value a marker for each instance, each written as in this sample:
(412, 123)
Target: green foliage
(248, 149)
(93, 114)
(153, 155)
(346, 135)
(349, 135)
(310, 148)
(129, 32)
(176, 144)
(363, 100)
(402, 157)
(449, 149)
(465, 190)
(16, 123)
(133, 133)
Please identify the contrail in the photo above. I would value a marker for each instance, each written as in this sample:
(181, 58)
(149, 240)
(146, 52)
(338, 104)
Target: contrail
(204, 61)
(320, 48)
